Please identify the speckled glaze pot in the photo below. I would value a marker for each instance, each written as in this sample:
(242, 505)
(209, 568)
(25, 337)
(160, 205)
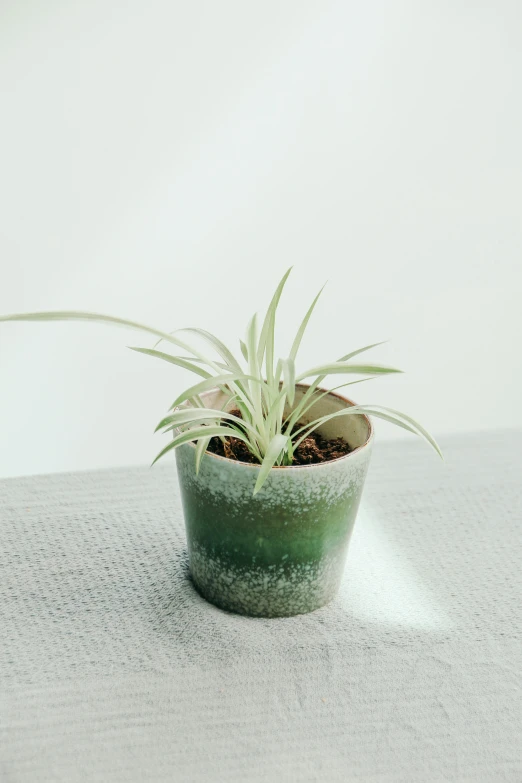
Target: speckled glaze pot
(281, 552)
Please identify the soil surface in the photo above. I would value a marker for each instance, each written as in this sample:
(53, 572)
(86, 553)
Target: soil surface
(312, 450)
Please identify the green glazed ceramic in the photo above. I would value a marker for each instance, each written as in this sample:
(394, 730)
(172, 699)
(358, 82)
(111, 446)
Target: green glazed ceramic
(283, 551)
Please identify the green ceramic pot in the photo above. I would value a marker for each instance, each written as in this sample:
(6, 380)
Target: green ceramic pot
(281, 552)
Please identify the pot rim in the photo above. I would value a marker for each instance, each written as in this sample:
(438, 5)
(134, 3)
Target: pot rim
(315, 465)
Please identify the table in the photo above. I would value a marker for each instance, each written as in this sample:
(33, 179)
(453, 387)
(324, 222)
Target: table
(114, 669)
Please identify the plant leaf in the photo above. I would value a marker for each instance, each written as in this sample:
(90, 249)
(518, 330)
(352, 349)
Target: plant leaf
(211, 383)
(79, 315)
(201, 448)
(313, 400)
(341, 368)
(177, 360)
(288, 366)
(302, 328)
(255, 374)
(388, 414)
(275, 447)
(217, 344)
(194, 434)
(251, 345)
(360, 350)
(189, 415)
(266, 339)
(313, 386)
(392, 415)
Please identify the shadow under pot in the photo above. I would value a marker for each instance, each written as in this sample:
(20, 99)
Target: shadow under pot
(281, 552)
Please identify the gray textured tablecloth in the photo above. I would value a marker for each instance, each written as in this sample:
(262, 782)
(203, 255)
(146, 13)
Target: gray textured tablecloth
(114, 669)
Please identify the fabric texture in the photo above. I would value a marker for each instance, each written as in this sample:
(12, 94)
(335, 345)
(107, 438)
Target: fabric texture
(113, 668)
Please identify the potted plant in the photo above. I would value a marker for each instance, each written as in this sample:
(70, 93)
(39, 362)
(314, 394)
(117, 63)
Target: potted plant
(271, 465)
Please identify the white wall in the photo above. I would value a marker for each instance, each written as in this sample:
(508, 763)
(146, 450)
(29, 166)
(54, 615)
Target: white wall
(166, 161)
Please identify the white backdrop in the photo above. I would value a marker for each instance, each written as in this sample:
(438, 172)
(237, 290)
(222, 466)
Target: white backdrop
(167, 161)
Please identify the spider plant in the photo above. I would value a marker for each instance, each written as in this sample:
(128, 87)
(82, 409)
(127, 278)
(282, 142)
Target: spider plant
(260, 387)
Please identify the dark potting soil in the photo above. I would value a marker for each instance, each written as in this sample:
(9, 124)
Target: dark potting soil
(312, 450)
